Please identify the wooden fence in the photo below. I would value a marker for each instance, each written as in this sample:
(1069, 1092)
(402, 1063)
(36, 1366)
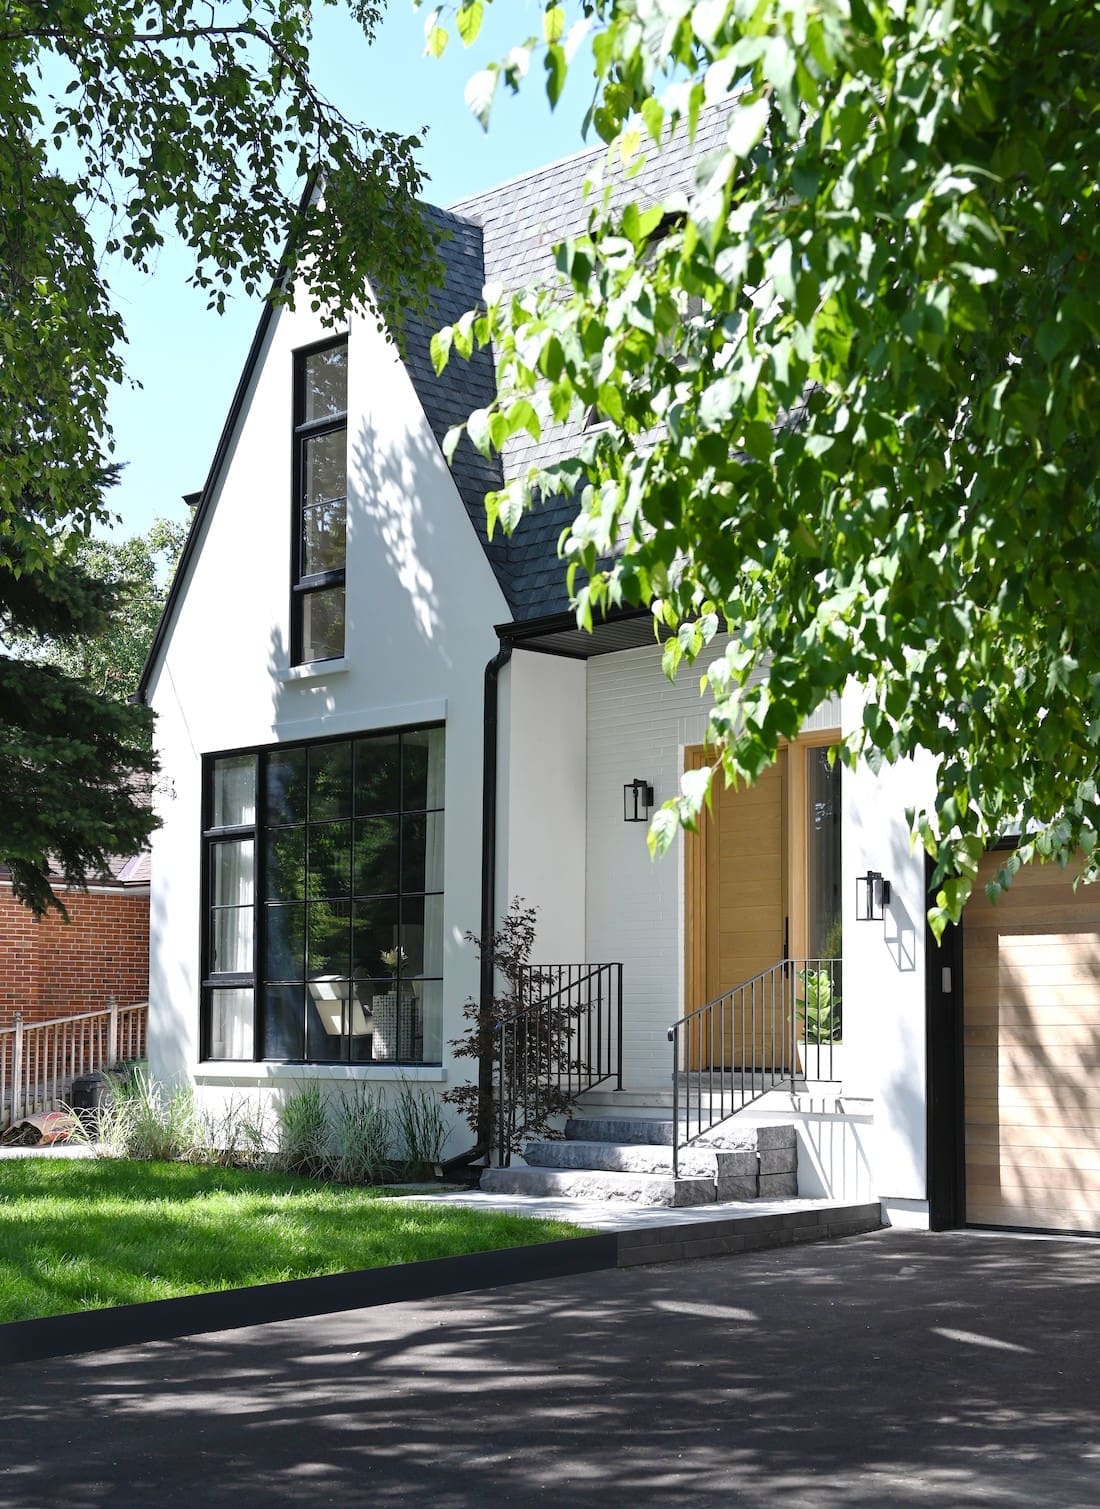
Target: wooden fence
(40, 1060)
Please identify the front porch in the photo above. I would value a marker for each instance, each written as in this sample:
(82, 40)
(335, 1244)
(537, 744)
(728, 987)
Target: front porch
(766, 892)
(752, 1106)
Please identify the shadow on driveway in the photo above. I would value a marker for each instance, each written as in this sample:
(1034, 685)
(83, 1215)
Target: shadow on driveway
(897, 1368)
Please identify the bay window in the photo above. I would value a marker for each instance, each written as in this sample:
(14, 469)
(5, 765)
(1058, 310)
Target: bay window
(323, 880)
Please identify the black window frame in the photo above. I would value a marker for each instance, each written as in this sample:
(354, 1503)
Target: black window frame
(303, 586)
(212, 835)
(260, 832)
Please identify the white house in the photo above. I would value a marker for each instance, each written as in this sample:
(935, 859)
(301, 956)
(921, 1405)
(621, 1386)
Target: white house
(376, 728)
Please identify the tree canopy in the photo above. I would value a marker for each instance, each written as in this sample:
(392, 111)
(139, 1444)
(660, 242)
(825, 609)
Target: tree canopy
(124, 122)
(76, 765)
(137, 571)
(873, 456)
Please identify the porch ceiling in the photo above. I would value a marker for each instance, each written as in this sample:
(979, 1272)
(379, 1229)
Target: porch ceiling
(558, 634)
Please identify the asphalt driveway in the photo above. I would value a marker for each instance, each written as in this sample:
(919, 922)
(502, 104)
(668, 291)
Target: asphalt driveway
(891, 1369)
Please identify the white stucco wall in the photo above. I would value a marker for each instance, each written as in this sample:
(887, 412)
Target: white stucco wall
(542, 804)
(884, 1002)
(421, 603)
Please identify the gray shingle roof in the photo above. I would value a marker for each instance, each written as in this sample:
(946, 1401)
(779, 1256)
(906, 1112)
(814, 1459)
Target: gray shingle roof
(507, 235)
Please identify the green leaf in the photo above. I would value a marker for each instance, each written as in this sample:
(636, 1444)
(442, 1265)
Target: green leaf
(553, 23)
(479, 92)
(1051, 338)
(557, 67)
(695, 787)
(653, 115)
(468, 18)
(478, 429)
(717, 402)
(664, 825)
(440, 348)
(746, 127)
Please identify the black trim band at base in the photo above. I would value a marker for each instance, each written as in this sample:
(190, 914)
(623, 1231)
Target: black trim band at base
(293, 1299)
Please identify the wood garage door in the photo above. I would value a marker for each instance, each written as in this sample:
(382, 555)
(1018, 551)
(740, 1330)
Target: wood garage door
(1031, 1021)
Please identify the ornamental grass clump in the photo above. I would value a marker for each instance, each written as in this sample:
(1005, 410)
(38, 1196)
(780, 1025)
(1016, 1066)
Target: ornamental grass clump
(141, 1119)
(305, 1142)
(362, 1131)
(238, 1133)
(355, 1137)
(421, 1131)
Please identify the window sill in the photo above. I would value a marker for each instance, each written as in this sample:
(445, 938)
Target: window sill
(265, 1074)
(316, 670)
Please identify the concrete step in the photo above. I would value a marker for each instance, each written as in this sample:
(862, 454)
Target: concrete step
(619, 1130)
(641, 1158)
(735, 1132)
(600, 1185)
(734, 1174)
(737, 1160)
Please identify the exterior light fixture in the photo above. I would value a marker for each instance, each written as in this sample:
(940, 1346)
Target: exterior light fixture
(872, 896)
(637, 800)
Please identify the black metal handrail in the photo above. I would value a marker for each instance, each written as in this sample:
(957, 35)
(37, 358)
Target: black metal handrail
(564, 1037)
(771, 1031)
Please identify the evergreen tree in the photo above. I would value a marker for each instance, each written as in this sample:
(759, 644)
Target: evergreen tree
(75, 765)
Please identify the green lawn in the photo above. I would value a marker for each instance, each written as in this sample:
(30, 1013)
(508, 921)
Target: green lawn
(80, 1235)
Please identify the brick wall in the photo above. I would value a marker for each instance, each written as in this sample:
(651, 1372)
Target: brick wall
(52, 968)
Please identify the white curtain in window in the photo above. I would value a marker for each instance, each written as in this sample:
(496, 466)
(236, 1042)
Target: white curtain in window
(233, 887)
(435, 767)
(433, 905)
(433, 935)
(231, 1024)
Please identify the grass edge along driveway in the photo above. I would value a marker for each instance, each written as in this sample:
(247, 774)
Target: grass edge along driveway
(89, 1234)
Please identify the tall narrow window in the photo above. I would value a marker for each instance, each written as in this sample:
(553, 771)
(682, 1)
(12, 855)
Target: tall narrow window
(320, 513)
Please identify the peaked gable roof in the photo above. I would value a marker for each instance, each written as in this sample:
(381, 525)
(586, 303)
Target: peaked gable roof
(517, 226)
(504, 235)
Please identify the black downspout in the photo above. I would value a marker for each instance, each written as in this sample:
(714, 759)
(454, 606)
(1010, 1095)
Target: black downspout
(491, 706)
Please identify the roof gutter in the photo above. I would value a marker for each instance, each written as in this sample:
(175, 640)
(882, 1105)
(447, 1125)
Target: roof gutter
(516, 633)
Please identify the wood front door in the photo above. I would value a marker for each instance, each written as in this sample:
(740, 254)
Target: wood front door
(747, 906)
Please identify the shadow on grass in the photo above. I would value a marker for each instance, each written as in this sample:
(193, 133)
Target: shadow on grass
(79, 1236)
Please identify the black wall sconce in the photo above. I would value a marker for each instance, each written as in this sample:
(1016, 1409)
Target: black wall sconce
(872, 897)
(637, 800)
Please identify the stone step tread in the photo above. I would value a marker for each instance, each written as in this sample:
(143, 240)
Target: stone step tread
(599, 1185)
(641, 1157)
(734, 1133)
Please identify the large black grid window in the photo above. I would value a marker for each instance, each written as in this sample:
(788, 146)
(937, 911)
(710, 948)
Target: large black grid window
(320, 502)
(324, 885)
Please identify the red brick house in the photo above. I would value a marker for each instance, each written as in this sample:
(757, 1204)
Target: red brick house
(52, 968)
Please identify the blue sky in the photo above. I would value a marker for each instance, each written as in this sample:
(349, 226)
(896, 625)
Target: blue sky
(187, 360)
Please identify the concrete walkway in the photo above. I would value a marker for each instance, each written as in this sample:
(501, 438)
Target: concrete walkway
(894, 1369)
(619, 1215)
